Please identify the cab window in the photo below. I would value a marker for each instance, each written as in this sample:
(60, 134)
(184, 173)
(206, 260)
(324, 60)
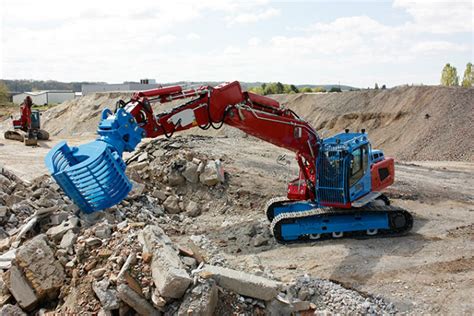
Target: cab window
(359, 163)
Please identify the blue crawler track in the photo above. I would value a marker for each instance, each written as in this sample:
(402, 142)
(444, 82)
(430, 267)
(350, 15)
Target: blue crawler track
(316, 223)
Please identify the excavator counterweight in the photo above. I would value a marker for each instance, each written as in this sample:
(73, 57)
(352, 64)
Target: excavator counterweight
(337, 192)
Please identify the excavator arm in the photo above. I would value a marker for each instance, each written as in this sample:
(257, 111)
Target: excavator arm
(256, 115)
(89, 173)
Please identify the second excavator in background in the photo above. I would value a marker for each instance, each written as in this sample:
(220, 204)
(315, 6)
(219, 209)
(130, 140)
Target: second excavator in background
(337, 193)
(27, 128)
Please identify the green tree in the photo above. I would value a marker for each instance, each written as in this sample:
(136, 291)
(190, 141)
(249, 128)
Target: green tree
(384, 87)
(269, 89)
(280, 88)
(4, 92)
(257, 90)
(376, 86)
(449, 76)
(306, 90)
(294, 88)
(319, 89)
(468, 78)
(335, 89)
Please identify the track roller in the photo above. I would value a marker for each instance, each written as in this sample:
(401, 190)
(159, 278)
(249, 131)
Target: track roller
(372, 232)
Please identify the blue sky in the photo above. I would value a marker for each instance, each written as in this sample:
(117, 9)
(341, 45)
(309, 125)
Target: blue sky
(352, 42)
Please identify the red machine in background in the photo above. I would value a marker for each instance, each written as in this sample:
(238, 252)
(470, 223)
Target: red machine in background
(28, 127)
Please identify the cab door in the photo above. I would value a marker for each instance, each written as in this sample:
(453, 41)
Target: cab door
(359, 177)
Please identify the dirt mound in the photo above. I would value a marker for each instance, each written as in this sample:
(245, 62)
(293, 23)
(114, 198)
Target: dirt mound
(410, 123)
(79, 116)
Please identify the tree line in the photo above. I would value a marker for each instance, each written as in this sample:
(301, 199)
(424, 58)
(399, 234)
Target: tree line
(450, 78)
(280, 88)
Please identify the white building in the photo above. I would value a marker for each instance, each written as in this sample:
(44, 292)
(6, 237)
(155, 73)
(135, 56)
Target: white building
(145, 84)
(45, 97)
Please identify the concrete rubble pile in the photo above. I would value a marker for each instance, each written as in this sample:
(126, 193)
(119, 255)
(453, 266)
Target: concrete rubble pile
(130, 260)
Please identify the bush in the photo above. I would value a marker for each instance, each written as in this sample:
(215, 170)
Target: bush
(335, 89)
(4, 92)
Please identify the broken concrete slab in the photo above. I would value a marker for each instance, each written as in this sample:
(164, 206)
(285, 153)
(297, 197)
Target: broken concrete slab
(20, 288)
(193, 209)
(201, 300)
(278, 308)
(171, 205)
(41, 269)
(242, 283)
(3, 212)
(136, 301)
(4, 292)
(175, 178)
(57, 232)
(191, 172)
(143, 157)
(168, 272)
(58, 217)
(137, 189)
(107, 297)
(11, 310)
(6, 259)
(213, 173)
(68, 240)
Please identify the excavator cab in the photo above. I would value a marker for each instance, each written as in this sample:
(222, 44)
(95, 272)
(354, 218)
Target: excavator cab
(35, 120)
(344, 170)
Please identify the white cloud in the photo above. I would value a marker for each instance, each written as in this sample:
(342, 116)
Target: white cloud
(166, 39)
(254, 41)
(121, 40)
(193, 36)
(436, 47)
(448, 16)
(246, 18)
(98, 40)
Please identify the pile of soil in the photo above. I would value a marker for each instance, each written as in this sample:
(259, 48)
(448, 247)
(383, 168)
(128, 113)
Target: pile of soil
(409, 123)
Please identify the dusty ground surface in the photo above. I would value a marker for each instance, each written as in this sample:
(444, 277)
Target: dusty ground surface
(28, 162)
(430, 270)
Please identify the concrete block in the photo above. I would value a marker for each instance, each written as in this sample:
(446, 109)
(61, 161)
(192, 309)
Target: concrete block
(171, 205)
(242, 283)
(6, 259)
(201, 300)
(191, 173)
(169, 275)
(213, 173)
(41, 269)
(20, 289)
(57, 232)
(107, 297)
(136, 301)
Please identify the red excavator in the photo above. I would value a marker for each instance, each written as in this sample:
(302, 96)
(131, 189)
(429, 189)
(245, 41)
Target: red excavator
(28, 127)
(338, 191)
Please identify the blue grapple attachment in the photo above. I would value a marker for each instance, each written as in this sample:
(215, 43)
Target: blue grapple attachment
(93, 175)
